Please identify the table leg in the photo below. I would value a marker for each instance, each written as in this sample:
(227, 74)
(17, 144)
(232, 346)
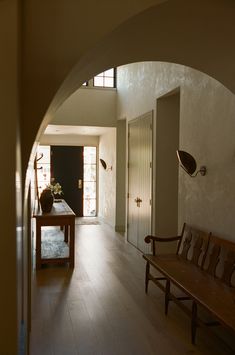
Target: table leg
(71, 243)
(38, 245)
(66, 227)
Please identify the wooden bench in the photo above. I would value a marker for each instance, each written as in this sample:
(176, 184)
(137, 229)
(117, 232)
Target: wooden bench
(202, 268)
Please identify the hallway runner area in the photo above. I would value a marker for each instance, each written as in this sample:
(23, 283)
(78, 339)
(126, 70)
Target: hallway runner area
(101, 308)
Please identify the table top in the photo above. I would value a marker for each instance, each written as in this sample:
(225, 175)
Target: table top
(60, 208)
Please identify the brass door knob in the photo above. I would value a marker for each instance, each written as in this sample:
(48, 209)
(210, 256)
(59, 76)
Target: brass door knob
(138, 201)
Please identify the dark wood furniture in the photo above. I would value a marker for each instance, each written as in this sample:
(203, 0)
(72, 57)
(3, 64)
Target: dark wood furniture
(60, 215)
(203, 269)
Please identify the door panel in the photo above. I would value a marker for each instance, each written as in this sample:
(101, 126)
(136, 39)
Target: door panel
(133, 179)
(145, 179)
(139, 181)
(67, 169)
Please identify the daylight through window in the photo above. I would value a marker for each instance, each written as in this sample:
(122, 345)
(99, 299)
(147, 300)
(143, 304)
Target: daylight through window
(105, 79)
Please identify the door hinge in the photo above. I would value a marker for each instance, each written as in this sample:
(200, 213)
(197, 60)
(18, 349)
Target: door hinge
(128, 195)
(150, 164)
(150, 202)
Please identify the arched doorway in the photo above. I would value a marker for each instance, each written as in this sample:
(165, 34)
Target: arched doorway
(191, 37)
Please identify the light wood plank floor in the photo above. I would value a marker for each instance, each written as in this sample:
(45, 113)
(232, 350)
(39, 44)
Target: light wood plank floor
(100, 307)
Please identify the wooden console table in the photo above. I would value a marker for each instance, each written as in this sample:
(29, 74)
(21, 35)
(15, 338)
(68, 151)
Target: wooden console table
(60, 215)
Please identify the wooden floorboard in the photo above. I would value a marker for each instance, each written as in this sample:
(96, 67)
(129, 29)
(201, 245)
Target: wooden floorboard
(101, 308)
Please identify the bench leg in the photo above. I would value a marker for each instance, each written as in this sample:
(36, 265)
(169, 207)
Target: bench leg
(147, 277)
(194, 322)
(167, 295)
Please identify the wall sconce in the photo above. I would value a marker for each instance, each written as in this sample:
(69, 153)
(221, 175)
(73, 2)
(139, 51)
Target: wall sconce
(105, 166)
(188, 163)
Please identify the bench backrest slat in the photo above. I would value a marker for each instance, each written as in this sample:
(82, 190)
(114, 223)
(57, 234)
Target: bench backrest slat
(220, 259)
(193, 245)
(213, 260)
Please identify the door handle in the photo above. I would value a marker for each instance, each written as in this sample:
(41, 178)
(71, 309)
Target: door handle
(80, 183)
(138, 201)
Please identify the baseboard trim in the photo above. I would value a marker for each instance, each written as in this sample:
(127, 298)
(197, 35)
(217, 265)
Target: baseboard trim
(120, 229)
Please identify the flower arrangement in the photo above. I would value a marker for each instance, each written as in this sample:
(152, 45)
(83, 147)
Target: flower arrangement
(55, 188)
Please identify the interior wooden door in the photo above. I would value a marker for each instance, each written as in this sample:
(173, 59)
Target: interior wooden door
(133, 182)
(67, 169)
(139, 180)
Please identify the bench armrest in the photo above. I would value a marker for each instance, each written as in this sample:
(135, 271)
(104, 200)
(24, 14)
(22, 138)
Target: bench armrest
(148, 239)
(154, 239)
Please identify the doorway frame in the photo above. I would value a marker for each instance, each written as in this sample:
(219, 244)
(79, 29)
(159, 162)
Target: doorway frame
(170, 101)
(151, 112)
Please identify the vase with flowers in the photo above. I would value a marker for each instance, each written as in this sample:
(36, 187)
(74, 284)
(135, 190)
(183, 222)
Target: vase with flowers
(56, 190)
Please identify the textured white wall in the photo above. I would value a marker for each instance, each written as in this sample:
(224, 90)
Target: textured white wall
(107, 178)
(89, 107)
(66, 139)
(207, 118)
(121, 177)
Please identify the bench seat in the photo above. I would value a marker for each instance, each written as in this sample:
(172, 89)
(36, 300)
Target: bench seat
(202, 268)
(199, 286)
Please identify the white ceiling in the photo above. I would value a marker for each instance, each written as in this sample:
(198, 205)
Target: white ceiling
(76, 130)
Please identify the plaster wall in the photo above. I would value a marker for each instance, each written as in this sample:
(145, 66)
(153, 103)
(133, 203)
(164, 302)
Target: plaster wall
(89, 107)
(66, 139)
(107, 178)
(167, 171)
(121, 177)
(207, 118)
(10, 181)
(59, 56)
(52, 49)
